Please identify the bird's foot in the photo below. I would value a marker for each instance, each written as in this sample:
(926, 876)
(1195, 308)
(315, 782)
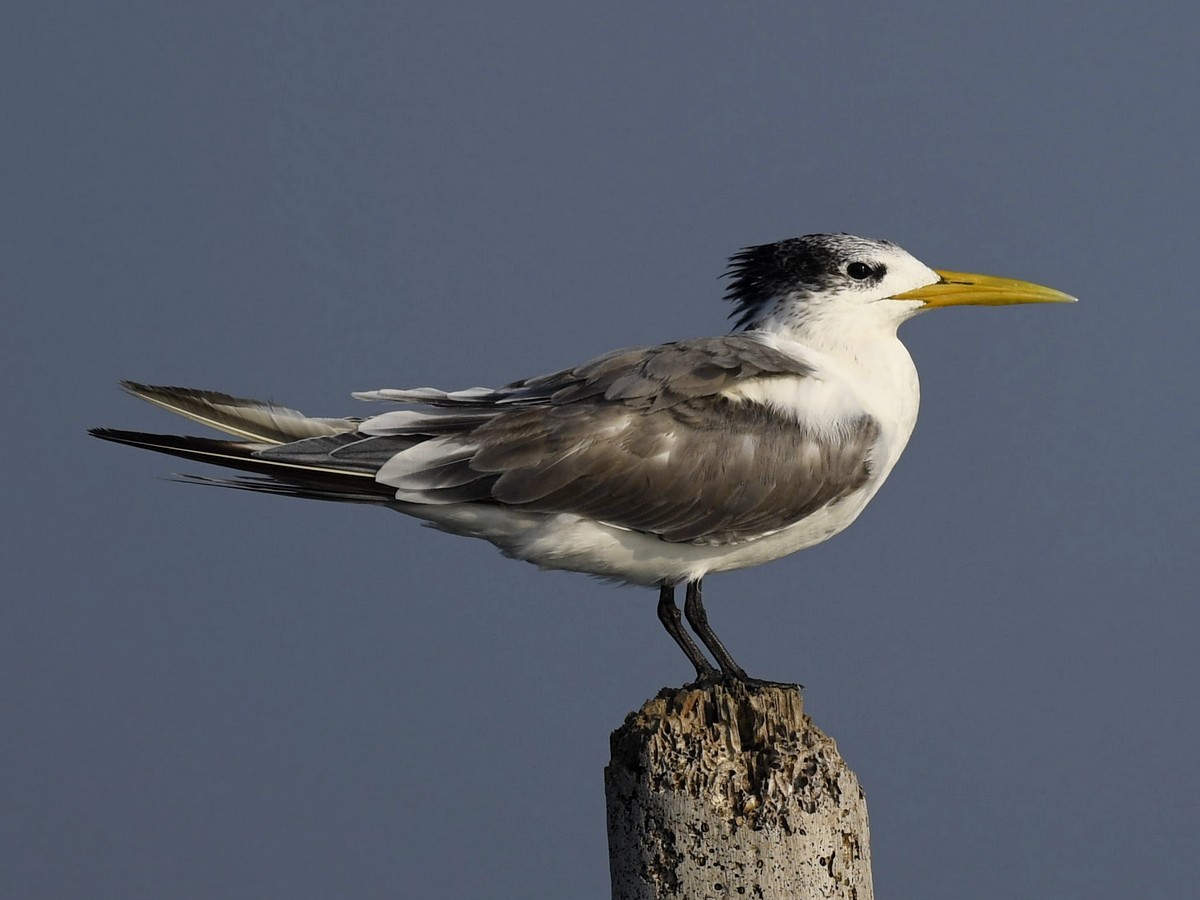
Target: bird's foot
(713, 677)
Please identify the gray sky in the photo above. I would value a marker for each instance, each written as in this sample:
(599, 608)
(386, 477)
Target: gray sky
(212, 694)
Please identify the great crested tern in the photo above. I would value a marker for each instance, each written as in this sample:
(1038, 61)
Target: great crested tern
(649, 465)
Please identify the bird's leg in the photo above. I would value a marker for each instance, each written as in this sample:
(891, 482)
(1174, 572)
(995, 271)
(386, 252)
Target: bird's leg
(668, 614)
(693, 608)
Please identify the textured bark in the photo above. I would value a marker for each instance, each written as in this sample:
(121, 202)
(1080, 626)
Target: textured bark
(731, 791)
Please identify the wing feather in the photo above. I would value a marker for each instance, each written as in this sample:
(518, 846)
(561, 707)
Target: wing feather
(253, 420)
(651, 439)
(642, 439)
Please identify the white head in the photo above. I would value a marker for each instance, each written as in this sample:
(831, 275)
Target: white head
(813, 282)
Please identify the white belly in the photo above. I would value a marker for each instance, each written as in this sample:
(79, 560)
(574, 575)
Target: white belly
(573, 543)
(569, 542)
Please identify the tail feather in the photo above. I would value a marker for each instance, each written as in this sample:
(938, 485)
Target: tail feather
(234, 454)
(253, 420)
(276, 475)
(309, 489)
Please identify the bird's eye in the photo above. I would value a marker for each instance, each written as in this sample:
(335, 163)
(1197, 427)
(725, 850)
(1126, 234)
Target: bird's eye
(859, 271)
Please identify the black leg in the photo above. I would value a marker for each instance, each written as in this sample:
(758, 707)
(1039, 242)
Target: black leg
(693, 607)
(668, 614)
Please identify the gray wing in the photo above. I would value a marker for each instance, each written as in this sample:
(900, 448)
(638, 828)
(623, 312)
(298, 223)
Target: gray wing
(254, 420)
(640, 439)
(639, 377)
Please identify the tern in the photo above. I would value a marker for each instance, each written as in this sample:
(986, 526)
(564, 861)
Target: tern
(650, 466)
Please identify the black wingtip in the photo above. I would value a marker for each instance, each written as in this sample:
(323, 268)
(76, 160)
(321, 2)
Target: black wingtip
(112, 434)
(140, 438)
(220, 452)
(140, 388)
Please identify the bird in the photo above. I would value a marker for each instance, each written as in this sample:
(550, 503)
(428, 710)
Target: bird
(653, 465)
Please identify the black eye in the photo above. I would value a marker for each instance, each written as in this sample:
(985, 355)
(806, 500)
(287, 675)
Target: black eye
(859, 271)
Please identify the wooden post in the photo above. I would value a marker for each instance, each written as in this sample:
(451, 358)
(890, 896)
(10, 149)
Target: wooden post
(729, 790)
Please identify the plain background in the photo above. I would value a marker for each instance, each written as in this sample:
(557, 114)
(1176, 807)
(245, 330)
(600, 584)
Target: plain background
(208, 694)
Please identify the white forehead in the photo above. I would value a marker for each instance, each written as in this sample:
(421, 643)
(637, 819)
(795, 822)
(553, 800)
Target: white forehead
(904, 271)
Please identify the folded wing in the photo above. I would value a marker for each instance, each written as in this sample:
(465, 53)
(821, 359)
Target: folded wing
(652, 439)
(647, 439)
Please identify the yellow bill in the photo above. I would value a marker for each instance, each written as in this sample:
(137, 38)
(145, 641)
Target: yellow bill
(965, 289)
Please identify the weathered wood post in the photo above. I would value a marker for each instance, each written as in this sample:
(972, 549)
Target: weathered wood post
(729, 790)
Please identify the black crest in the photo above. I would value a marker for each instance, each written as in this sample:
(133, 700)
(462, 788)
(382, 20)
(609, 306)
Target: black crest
(798, 266)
